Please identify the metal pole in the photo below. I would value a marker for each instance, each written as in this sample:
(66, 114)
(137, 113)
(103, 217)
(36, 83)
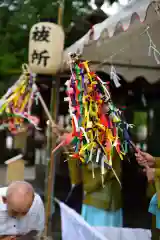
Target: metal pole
(51, 144)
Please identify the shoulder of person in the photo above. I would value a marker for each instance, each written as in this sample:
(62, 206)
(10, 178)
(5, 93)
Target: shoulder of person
(37, 204)
(38, 197)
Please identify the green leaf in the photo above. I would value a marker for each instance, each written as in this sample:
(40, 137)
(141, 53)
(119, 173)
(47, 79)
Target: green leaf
(18, 16)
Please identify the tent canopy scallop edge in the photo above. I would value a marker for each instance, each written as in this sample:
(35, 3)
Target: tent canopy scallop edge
(115, 33)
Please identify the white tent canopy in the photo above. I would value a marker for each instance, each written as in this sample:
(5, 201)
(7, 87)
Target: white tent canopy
(123, 41)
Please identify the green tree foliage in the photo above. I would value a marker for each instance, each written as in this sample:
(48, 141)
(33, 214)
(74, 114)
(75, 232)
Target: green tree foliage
(18, 16)
(16, 19)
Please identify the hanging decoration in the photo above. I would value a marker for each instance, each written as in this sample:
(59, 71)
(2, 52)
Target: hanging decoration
(98, 126)
(16, 104)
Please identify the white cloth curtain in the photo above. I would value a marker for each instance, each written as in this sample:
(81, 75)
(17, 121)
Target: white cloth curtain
(74, 227)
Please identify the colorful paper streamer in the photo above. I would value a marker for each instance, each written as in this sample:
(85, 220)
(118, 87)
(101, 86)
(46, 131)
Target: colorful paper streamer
(16, 104)
(97, 124)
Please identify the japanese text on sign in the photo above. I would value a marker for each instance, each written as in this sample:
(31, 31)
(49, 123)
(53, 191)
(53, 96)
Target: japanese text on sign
(41, 34)
(45, 48)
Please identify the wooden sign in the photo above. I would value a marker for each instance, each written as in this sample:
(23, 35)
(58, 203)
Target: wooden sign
(46, 44)
(15, 169)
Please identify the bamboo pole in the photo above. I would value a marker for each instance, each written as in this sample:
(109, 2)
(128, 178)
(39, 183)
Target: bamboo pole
(52, 141)
(49, 188)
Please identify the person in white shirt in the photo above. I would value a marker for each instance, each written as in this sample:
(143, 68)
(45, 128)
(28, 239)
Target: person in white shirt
(21, 211)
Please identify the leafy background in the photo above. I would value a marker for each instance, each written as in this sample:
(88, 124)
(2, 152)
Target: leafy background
(16, 19)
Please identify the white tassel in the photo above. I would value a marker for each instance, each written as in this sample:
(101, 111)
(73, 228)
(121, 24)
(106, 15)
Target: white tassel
(98, 155)
(110, 161)
(102, 169)
(75, 122)
(90, 155)
(153, 49)
(67, 83)
(102, 165)
(67, 99)
(107, 94)
(114, 77)
(85, 135)
(93, 175)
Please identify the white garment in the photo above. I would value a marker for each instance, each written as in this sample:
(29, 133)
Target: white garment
(34, 220)
(74, 227)
(124, 233)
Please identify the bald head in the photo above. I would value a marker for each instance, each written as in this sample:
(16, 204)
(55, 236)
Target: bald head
(19, 198)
